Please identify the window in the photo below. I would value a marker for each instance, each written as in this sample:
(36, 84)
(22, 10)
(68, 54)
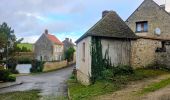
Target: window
(83, 57)
(142, 26)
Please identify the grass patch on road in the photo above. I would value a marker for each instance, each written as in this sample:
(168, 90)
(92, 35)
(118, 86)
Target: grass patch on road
(80, 92)
(25, 95)
(155, 86)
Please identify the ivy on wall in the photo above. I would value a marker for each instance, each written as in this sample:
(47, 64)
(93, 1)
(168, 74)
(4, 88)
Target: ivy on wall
(99, 63)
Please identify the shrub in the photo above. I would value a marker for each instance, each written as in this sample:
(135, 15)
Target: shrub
(5, 76)
(11, 65)
(11, 79)
(24, 60)
(107, 74)
(122, 70)
(157, 66)
(37, 66)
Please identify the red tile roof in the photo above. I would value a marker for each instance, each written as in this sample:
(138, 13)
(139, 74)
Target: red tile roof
(54, 39)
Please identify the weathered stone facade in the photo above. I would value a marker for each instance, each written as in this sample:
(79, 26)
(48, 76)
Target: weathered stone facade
(144, 52)
(46, 50)
(155, 16)
(163, 58)
(144, 49)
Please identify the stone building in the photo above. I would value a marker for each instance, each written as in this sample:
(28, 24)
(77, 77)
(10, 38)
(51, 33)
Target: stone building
(151, 23)
(68, 43)
(48, 48)
(115, 37)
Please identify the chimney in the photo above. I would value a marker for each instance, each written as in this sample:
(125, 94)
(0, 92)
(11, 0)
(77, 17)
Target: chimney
(104, 13)
(67, 39)
(162, 6)
(71, 40)
(46, 31)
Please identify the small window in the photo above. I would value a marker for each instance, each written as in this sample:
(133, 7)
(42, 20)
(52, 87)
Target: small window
(83, 57)
(142, 26)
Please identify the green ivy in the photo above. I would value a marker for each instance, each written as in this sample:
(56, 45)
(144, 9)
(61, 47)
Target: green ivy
(99, 63)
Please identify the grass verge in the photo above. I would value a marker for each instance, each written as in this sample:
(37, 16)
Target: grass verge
(155, 86)
(80, 92)
(25, 95)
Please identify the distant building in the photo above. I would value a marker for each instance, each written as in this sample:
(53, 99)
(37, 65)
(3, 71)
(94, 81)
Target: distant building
(68, 43)
(48, 48)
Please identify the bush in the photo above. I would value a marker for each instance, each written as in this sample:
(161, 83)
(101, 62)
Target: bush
(11, 79)
(122, 70)
(115, 72)
(24, 60)
(158, 67)
(5, 76)
(11, 65)
(107, 74)
(37, 66)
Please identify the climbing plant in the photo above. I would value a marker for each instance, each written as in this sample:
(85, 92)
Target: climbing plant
(99, 63)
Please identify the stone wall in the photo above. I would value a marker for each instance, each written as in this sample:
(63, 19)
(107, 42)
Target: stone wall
(163, 58)
(143, 52)
(83, 78)
(48, 66)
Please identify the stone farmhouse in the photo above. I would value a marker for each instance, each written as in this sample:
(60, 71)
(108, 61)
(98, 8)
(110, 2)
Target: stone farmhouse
(48, 48)
(151, 23)
(140, 41)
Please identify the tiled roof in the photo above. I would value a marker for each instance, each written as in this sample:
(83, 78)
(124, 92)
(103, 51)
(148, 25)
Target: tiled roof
(111, 25)
(54, 39)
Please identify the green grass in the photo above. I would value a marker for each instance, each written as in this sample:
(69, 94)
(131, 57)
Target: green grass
(155, 86)
(80, 92)
(26, 95)
(27, 45)
(53, 97)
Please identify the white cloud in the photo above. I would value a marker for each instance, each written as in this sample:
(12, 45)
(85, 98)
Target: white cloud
(30, 39)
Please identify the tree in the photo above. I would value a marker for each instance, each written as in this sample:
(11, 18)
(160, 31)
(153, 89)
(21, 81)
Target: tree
(69, 54)
(8, 42)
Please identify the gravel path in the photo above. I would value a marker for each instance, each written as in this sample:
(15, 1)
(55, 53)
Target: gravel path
(129, 93)
(51, 83)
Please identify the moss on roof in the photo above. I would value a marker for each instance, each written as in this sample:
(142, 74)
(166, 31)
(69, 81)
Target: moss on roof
(112, 26)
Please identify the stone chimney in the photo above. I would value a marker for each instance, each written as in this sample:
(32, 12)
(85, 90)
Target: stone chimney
(162, 6)
(104, 13)
(67, 39)
(71, 40)
(46, 31)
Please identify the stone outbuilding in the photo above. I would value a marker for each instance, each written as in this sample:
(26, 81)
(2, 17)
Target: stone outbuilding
(48, 48)
(115, 36)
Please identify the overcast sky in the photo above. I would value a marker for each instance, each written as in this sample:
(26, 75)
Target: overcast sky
(63, 18)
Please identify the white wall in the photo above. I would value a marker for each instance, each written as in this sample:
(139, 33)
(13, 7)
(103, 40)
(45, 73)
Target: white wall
(84, 65)
(119, 51)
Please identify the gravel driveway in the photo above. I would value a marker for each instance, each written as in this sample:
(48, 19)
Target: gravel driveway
(51, 83)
